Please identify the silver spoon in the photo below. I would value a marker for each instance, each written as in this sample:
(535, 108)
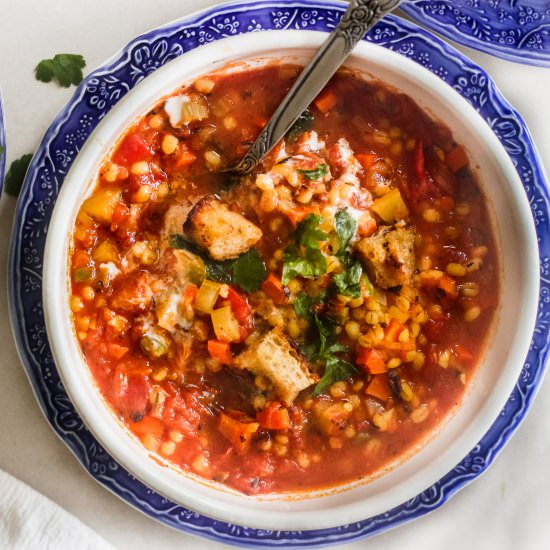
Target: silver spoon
(358, 19)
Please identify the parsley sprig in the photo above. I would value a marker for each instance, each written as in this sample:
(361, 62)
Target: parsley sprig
(303, 256)
(16, 175)
(66, 68)
(248, 271)
(322, 346)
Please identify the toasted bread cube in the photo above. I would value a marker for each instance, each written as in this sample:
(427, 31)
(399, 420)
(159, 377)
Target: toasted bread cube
(273, 356)
(223, 233)
(388, 256)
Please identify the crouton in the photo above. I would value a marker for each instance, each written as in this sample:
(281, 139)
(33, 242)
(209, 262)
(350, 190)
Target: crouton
(223, 233)
(272, 356)
(388, 256)
(174, 218)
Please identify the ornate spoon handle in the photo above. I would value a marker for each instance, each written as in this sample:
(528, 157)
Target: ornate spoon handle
(358, 19)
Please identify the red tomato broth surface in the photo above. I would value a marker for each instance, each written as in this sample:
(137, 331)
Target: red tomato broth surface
(182, 390)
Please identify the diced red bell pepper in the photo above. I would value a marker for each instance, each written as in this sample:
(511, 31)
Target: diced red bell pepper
(240, 307)
(133, 149)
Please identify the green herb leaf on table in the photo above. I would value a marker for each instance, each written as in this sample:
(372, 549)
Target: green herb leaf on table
(348, 282)
(303, 123)
(66, 68)
(345, 226)
(16, 175)
(315, 174)
(249, 271)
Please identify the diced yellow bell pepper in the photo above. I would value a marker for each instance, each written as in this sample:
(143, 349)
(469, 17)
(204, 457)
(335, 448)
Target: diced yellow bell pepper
(226, 327)
(101, 205)
(106, 252)
(391, 207)
(207, 296)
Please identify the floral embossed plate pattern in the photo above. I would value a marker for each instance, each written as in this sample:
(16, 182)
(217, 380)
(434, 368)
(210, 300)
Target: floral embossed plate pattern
(62, 142)
(517, 30)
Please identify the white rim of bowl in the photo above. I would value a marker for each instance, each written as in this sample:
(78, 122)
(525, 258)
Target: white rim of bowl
(66, 351)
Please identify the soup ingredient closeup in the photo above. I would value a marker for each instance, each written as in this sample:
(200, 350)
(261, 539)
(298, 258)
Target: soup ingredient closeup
(328, 309)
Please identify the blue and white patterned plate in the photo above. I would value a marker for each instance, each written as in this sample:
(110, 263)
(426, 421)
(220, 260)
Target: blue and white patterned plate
(62, 142)
(2, 145)
(517, 30)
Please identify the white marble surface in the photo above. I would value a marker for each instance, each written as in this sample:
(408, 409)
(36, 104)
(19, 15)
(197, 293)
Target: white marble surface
(507, 508)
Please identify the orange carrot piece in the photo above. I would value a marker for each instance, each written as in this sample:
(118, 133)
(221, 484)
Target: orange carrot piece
(456, 159)
(238, 433)
(220, 351)
(117, 351)
(393, 330)
(185, 157)
(190, 294)
(325, 101)
(448, 285)
(149, 425)
(366, 159)
(273, 287)
(372, 360)
(366, 227)
(379, 387)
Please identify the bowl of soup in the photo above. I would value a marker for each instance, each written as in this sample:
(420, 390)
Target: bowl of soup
(310, 344)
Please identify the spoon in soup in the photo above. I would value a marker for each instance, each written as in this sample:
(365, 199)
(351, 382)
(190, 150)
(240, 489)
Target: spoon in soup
(358, 19)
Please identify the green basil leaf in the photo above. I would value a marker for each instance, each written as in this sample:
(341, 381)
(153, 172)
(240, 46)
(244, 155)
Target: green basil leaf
(315, 174)
(336, 369)
(249, 271)
(345, 226)
(308, 233)
(348, 282)
(311, 265)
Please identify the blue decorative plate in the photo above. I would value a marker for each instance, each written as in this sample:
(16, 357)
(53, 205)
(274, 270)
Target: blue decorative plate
(2, 145)
(93, 99)
(518, 30)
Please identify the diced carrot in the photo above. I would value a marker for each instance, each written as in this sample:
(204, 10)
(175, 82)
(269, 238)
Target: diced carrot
(149, 425)
(367, 226)
(325, 101)
(220, 351)
(379, 387)
(274, 417)
(238, 433)
(273, 287)
(296, 215)
(399, 346)
(190, 294)
(456, 159)
(393, 330)
(448, 285)
(366, 159)
(117, 351)
(185, 157)
(372, 360)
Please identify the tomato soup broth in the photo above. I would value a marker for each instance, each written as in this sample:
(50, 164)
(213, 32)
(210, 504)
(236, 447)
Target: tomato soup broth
(300, 327)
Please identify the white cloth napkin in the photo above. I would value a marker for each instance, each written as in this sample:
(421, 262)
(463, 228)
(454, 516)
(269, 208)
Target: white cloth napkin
(30, 521)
